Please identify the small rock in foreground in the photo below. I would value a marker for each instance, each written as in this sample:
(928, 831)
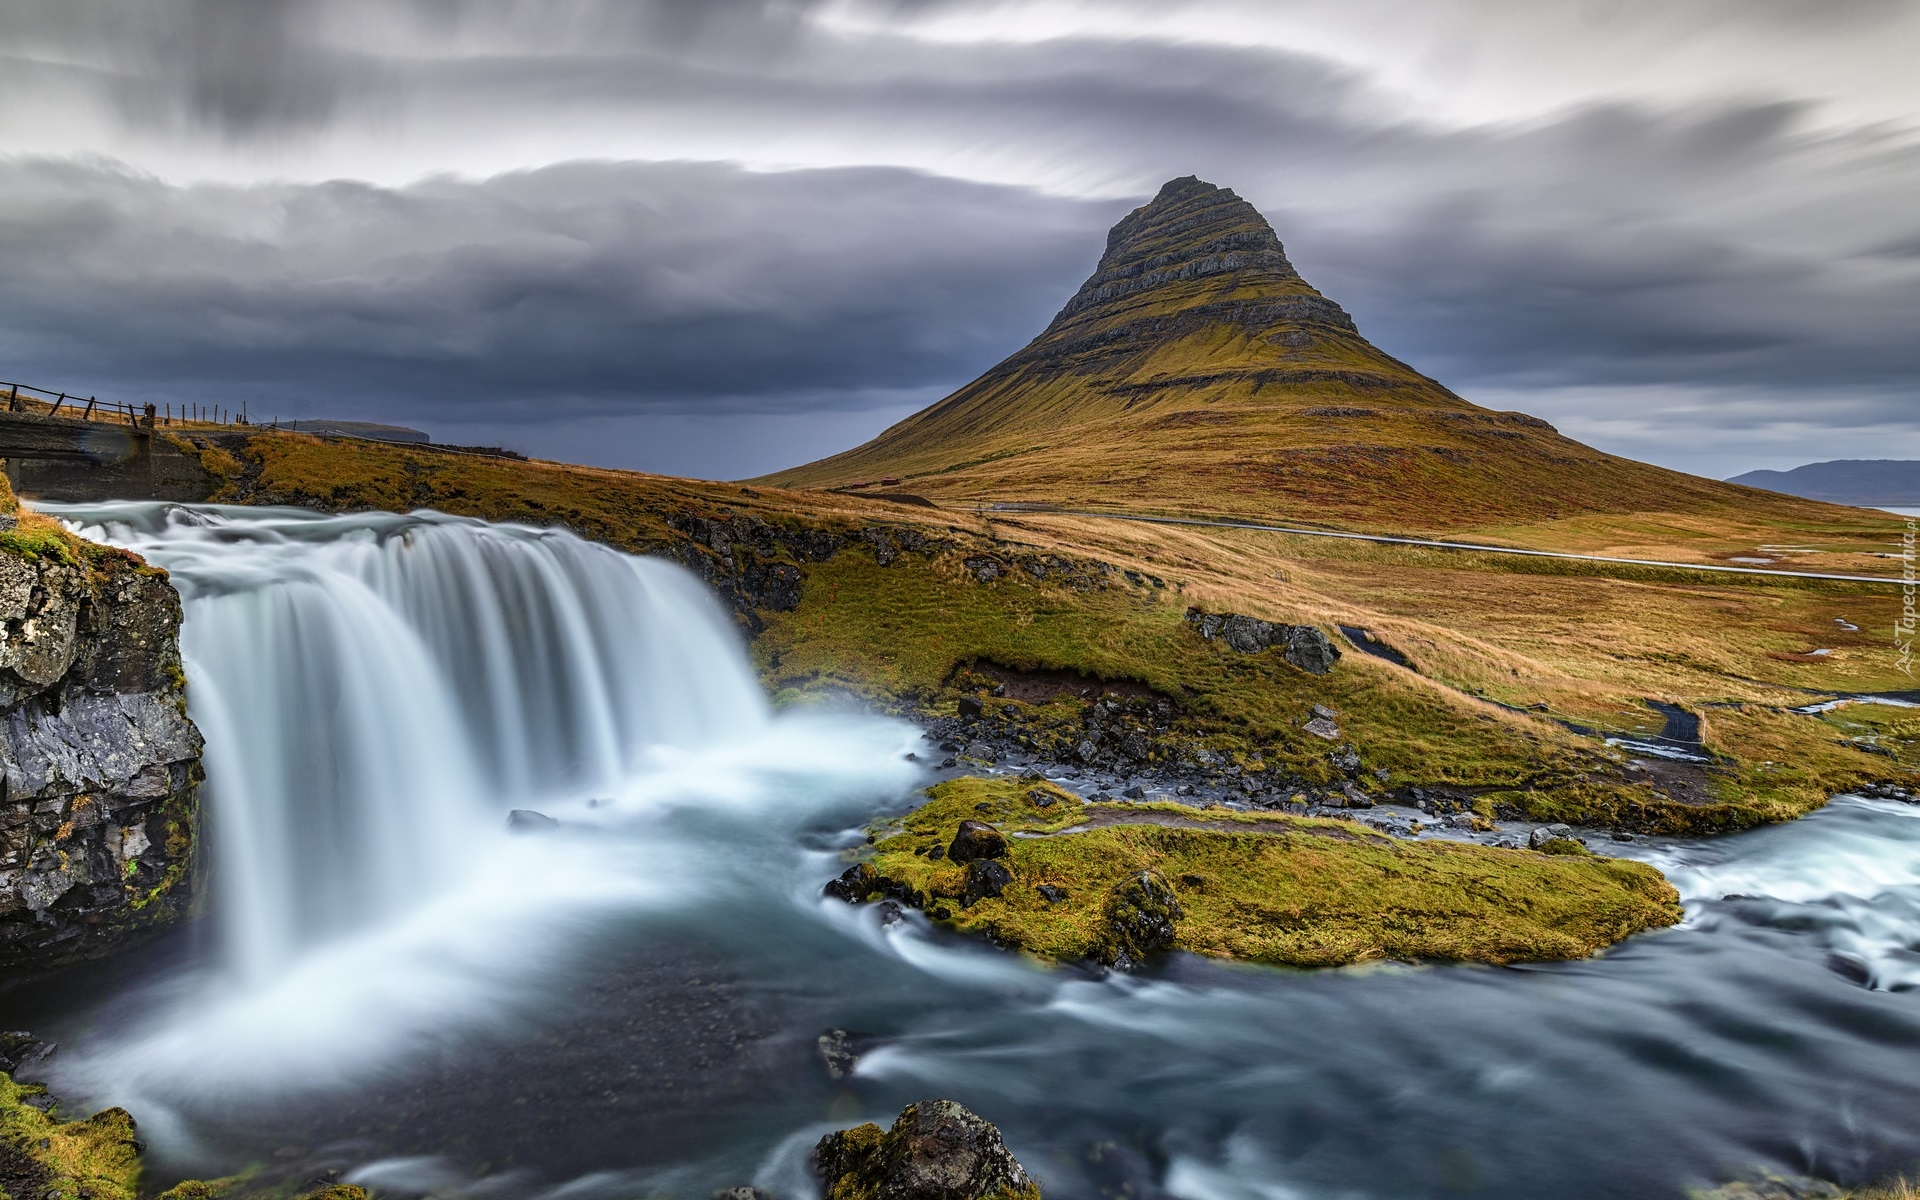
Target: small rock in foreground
(976, 839)
(936, 1150)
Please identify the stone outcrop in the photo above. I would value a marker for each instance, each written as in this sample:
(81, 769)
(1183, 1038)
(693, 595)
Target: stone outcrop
(1305, 646)
(1140, 918)
(99, 764)
(936, 1150)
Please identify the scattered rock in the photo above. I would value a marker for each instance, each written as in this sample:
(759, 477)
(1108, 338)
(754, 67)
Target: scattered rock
(1355, 797)
(1136, 792)
(1305, 646)
(976, 839)
(1548, 833)
(971, 708)
(936, 1150)
(1320, 727)
(1050, 893)
(1040, 798)
(983, 752)
(1311, 650)
(986, 879)
(1140, 915)
(837, 1053)
(525, 820)
(986, 570)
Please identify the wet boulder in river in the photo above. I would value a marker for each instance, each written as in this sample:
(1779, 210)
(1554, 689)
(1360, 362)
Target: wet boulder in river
(936, 1150)
(525, 820)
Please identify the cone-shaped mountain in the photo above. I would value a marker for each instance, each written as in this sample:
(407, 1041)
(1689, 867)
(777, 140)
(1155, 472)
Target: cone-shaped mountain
(1195, 371)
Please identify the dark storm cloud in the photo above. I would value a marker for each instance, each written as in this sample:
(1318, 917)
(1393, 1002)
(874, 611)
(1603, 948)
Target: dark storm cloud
(1729, 244)
(585, 289)
(1621, 263)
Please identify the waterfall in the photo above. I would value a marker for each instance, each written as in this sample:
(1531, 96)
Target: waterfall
(378, 691)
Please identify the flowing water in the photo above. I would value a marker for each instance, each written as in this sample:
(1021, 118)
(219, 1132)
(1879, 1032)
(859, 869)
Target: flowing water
(394, 986)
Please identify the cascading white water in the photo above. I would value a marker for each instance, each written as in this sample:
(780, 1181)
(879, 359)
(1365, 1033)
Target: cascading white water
(372, 687)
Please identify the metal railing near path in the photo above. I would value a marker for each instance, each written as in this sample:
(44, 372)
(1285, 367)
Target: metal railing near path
(45, 402)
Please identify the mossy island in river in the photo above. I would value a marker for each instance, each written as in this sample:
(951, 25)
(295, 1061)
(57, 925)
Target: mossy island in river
(1042, 872)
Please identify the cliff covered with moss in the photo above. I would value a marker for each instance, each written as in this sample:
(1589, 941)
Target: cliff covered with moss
(99, 764)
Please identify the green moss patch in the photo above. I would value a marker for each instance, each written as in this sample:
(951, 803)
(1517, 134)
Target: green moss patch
(97, 1158)
(1263, 888)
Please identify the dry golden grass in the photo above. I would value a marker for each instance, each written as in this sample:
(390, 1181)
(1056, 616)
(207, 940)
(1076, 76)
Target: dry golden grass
(1487, 633)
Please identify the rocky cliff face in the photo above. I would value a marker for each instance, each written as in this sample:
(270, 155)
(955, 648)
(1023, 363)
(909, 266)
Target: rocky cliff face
(99, 764)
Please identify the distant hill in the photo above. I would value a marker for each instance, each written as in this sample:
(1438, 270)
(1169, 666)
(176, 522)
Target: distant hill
(365, 429)
(1862, 481)
(1196, 371)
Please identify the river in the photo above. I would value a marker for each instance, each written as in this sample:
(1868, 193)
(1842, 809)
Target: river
(393, 985)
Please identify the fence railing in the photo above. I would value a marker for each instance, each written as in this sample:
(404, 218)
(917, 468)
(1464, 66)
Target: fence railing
(49, 403)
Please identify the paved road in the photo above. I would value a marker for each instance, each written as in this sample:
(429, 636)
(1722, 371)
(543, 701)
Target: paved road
(1405, 541)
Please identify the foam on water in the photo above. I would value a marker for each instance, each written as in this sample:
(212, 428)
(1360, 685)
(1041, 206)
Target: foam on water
(377, 692)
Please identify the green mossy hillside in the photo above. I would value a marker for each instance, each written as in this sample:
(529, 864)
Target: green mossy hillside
(1293, 891)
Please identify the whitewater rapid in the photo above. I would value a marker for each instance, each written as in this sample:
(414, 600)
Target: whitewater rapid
(378, 692)
(628, 1004)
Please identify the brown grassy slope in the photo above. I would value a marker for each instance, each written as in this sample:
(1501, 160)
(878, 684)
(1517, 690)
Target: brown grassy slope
(1197, 372)
(1589, 641)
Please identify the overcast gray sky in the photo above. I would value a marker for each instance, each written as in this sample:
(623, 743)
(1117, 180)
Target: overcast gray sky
(718, 237)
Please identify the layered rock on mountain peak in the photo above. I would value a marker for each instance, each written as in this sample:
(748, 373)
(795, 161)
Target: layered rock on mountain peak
(1196, 371)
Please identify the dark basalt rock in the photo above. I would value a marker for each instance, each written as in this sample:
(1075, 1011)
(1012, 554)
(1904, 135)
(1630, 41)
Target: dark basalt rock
(861, 882)
(1305, 646)
(986, 879)
(1311, 650)
(99, 765)
(936, 1150)
(1140, 915)
(977, 839)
